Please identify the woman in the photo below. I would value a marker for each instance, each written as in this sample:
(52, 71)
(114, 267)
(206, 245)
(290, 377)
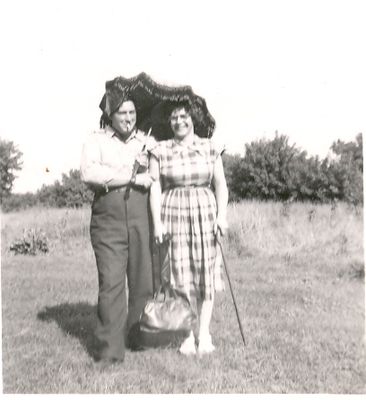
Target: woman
(183, 204)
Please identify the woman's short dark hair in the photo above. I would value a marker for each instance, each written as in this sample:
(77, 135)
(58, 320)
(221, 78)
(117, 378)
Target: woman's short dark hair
(189, 108)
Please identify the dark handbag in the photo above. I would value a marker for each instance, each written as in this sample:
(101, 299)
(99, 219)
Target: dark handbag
(168, 317)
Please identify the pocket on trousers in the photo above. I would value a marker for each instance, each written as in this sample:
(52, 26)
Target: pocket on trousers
(95, 201)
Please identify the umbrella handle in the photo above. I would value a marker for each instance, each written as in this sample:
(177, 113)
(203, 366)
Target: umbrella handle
(136, 166)
(146, 137)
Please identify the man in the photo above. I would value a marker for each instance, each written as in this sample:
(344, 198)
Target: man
(119, 228)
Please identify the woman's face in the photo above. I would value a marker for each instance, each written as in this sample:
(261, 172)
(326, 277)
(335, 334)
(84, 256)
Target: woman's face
(181, 123)
(124, 119)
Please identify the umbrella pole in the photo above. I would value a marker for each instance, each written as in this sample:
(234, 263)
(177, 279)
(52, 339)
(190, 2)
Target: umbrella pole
(231, 289)
(136, 167)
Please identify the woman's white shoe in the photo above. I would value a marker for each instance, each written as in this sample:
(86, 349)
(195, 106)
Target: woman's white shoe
(188, 347)
(205, 345)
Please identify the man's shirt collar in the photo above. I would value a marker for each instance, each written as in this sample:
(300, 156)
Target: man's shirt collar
(110, 132)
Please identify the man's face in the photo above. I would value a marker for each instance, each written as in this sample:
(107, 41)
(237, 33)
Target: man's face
(124, 119)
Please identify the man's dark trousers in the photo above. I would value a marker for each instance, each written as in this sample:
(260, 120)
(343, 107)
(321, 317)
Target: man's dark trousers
(120, 236)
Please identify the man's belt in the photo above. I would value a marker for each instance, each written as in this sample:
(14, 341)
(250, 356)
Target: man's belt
(104, 190)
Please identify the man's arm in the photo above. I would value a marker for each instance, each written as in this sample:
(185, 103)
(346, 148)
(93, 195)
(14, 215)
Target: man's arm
(95, 173)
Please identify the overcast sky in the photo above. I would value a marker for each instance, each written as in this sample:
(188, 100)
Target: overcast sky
(296, 67)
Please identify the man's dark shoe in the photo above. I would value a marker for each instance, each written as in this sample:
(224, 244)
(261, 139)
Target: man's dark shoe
(133, 340)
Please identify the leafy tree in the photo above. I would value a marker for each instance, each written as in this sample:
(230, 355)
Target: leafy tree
(70, 192)
(346, 173)
(313, 182)
(10, 161)
(276, 170)
(18, 201)
(76, 193)
(350, 151)
(51, 195)
(268, 170)
(231, 164)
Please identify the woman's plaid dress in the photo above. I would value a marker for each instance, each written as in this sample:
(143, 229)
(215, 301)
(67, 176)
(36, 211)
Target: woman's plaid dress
(188, 212)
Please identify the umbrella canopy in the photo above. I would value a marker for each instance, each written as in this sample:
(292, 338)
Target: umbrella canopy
(153, 103)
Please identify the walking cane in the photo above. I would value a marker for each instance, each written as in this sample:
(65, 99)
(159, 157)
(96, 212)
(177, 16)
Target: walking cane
(231, 289)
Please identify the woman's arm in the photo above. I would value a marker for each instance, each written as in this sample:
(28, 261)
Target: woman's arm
(222, 195)
(155, 199)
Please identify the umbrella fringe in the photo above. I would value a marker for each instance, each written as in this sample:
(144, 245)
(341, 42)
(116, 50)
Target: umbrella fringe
(147, 94)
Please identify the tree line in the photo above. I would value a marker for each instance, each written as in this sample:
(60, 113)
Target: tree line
(275, 170)
(269, 169)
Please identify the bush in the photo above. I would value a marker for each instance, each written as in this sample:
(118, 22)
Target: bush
(231, 164)
(347, 172)
(18, 201)
(269, 170)
(71, 192)
(276, 170)
(34, 241)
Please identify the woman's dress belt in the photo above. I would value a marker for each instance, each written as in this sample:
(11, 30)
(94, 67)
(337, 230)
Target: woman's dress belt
(203, 185)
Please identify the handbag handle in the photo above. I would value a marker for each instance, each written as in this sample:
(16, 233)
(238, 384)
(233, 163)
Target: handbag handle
(164, 291)
(164, 258)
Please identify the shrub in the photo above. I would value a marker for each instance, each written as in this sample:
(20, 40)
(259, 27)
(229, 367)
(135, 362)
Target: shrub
(34, 241)
(231, 164)
(18, 201)
(269, 170)
(347, 171)
(276, 170)
(71, 192)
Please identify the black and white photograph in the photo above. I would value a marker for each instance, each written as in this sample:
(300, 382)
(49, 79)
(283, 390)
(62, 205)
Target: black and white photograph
(182, 197)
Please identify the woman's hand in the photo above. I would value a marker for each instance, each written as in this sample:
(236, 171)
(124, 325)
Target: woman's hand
(144, 179)
(159, 232)
(220, 225)
(143, 159)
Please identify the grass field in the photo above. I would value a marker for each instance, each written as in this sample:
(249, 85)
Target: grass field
(298, 276)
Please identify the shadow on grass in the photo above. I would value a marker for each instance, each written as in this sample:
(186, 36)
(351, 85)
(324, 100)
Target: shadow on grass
(78, 320)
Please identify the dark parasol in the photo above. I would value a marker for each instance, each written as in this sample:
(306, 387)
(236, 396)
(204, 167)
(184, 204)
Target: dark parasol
(153, 101)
